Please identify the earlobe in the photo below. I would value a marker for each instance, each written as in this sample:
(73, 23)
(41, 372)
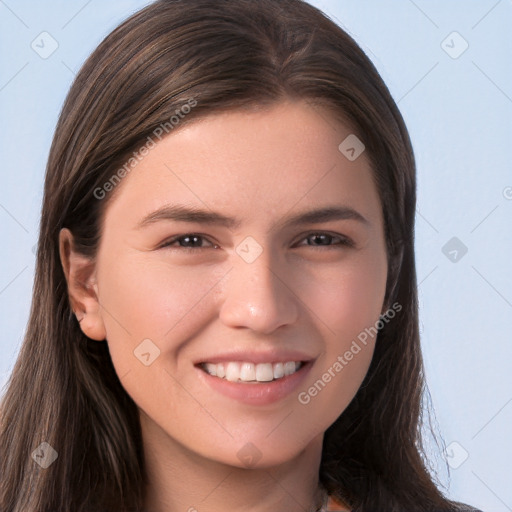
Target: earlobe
(79, 271)
(92, 326)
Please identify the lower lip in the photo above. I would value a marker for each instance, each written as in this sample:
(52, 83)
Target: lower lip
(262, 393)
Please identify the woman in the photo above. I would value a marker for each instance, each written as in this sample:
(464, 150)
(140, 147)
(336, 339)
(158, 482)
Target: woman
(225, 307)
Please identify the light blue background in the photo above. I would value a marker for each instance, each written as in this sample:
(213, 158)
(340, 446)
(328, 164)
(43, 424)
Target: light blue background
(459, 114)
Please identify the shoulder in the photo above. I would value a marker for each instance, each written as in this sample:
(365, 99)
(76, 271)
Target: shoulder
(335, 506)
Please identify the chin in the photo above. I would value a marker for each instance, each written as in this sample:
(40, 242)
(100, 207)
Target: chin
(264, 454)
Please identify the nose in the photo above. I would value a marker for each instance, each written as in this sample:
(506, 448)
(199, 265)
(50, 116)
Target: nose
(259, 296)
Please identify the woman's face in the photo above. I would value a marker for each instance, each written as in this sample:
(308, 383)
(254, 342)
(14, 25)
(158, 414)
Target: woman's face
(257, 289)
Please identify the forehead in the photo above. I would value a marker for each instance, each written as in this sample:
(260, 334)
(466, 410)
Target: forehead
(251, 163)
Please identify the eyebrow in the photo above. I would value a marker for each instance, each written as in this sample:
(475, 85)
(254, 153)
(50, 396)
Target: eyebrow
(182, 213)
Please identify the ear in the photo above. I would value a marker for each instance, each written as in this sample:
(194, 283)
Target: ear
(82, 287)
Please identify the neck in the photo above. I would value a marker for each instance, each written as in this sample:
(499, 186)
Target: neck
(182, 480)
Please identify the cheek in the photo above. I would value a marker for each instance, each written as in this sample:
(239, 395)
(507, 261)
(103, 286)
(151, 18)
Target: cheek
(155, 309)
(152, 300)
(347, 298)
(336, 381)
(347, 302)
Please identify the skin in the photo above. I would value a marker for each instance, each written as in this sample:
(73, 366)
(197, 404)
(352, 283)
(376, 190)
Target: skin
(257, 166)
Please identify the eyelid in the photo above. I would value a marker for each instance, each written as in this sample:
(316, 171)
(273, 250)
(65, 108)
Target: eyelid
(344, 241)
(167, 243)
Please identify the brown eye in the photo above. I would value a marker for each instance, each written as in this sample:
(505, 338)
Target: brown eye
(320, 239)
(189, 241)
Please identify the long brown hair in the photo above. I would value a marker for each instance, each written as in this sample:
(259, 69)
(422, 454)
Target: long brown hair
(217, 55)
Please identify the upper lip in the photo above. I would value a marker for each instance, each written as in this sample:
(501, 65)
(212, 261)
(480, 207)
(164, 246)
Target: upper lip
(268, 356)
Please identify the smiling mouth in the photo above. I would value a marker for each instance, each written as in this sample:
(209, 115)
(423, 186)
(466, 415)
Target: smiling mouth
(246, 372)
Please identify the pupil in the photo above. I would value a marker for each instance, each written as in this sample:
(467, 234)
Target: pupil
(187, 238)
(324, 238)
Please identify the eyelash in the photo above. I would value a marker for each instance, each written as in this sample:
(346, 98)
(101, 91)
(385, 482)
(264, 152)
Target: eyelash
(344, 242)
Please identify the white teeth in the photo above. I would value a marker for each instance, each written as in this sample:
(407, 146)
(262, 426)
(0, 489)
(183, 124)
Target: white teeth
(233, 371)
(211, 368)
(289, 368)
(278, 370)
(247, 371)
(250, 372)
(264, 372)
